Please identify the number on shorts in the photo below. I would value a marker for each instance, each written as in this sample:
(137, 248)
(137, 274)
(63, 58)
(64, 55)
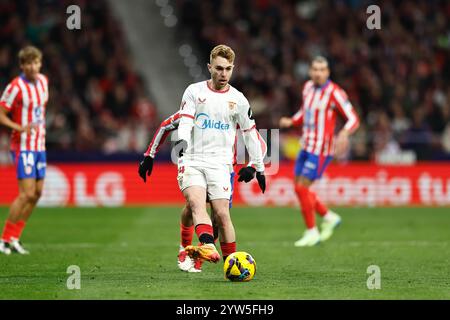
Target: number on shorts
(28, 159)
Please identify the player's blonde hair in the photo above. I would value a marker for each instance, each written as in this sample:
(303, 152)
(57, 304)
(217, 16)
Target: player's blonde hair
(29, 53)
(222, 51)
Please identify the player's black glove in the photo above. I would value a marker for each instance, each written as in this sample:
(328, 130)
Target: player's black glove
(182, 146)
(145, 168)
(246, 174)
(261, 181)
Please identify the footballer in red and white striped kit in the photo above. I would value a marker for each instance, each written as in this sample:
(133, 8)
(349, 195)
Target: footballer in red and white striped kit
(25, 98)
(323, 101)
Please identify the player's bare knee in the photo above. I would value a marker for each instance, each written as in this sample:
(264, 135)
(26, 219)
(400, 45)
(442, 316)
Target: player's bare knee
(29, 196)
(302, 181)
(38, 195)
(22, 197)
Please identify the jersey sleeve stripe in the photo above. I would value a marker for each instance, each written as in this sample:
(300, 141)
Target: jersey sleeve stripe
(9, 95)
(246, 130)
(154, 145)
(297, 119)
(352, 123)
(168, 125)
(4, 106)
(186, 115)
(346, 108)
(263, 144)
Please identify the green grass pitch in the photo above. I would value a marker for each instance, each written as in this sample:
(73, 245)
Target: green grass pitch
(130, 253)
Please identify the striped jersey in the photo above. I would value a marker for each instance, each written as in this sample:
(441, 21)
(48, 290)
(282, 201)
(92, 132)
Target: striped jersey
(317, 116)
(166, 127)
(170, 124)
(26, 102)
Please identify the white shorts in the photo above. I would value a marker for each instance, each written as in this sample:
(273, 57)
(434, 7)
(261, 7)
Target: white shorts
(216, 180)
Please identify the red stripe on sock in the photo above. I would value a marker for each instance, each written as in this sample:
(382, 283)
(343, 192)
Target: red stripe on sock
(186, 235)
(203, 228)
(307, 205)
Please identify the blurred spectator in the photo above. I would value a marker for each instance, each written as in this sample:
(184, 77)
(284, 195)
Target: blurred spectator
(419, 136)
(93, 87)
(398, 77)
(400, 123)
(383, 138)
(388, 73)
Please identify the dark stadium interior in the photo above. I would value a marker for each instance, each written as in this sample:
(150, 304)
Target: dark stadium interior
(98, 104)
(397, 77)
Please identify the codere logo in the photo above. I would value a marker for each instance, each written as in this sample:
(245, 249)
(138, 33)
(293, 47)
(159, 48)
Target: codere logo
(202, 121)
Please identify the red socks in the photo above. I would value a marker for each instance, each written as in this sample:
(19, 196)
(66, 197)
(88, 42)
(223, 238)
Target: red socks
(227, 249)
(12, 230)
(186, 235)
(8, 231)
(20, 225)
(319, 206)
(307, 205)
(204, 233)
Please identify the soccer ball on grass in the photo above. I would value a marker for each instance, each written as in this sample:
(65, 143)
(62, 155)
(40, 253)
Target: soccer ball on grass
(239, 267)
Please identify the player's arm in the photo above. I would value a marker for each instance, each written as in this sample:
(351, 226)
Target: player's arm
(6, 102)
(187, 116)
(295, 121)
(253, 144)
(168, 125)
(346, 109)
(263, 148)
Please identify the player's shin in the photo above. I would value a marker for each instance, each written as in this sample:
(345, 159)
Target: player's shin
(186, 227)
(319, 206)
(16, 208)
(27, 210)
(187, 233)
(20, 225)
(227, 249)
(306, 205)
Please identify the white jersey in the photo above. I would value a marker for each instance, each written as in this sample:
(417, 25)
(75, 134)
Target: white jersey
(209, 121)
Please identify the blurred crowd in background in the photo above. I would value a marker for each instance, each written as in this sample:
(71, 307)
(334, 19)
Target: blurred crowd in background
(97, 101)
(397, 77)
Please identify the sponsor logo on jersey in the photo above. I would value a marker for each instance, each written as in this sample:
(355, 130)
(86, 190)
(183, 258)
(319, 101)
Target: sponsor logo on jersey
(39, 115)
(203, 121)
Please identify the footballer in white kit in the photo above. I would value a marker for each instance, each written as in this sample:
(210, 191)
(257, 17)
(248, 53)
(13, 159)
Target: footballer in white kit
(208, 124)
(211, 111)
